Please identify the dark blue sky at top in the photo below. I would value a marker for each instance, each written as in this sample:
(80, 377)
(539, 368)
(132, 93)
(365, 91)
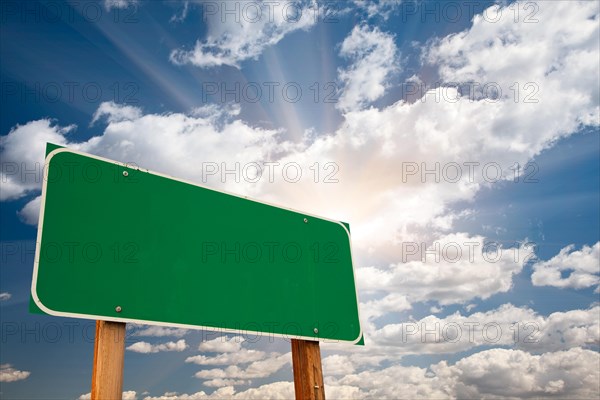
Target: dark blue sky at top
(54, 44)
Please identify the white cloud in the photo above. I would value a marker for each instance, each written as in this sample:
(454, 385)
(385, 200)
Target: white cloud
(499, 373)
(373, 56)
(5, 296)
(257, 369)
(561, 60)
(374, 8)
(469, 307)
(275, 390)
(177, 137)
(30, 214)
(375, 148)
(145, 347)
(241, 356)
(183, 13)
(393, 302)
(222, 344)
(157, 331)
(261, 364)
(110, 4)
(244, 33)
(583, 267)
(436, 310)
(561, 330)
(116, 112)
(127, 395)
(22, 153)
(494, 374)
(453, 269)
(224, 382)
(9, 374)
(336, 365)
(216, 112)
(393, 382)
(505, 326)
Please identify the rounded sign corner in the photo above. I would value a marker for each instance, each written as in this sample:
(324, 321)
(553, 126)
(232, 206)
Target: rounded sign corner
(57, 151)
(359, 338)
(41, 305)
(340, 223)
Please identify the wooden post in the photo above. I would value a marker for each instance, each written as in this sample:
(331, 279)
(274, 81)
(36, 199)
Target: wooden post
(308, 373)
(109, 354)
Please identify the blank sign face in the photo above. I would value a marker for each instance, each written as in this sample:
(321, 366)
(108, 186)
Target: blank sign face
(124, 244)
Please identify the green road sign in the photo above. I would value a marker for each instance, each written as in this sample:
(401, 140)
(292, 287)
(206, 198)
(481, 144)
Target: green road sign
(120, 243)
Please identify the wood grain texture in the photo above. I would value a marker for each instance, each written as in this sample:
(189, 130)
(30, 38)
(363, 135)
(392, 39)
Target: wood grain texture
(109, 355)
(308, 373)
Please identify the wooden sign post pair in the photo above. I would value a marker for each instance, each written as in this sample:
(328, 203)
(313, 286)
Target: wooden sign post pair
(109, 354)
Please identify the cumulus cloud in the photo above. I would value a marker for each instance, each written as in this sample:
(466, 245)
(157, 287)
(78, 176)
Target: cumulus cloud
(435, 310)
(222, 344)
(257, 369)
(453, 269)
(496, 47)
(495, 373)
(110, 4)
(337, 364)
(244, 33)
(377, 8)
(145, 347)
(500, 373)
(582, 268)
(505, 326)
(182, 14)
(392, 302)
(373, 60)
(183, 137)
(22, 151)
(275, 390)
(241, 356)
(224, 382)
(127, 395)
(115, 112)
(156, 331)
(5, 296)
(9, 374)
(260, 363)
(417, 159)
(30, 214)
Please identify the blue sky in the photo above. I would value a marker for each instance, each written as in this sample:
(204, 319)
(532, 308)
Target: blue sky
(504, 94)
